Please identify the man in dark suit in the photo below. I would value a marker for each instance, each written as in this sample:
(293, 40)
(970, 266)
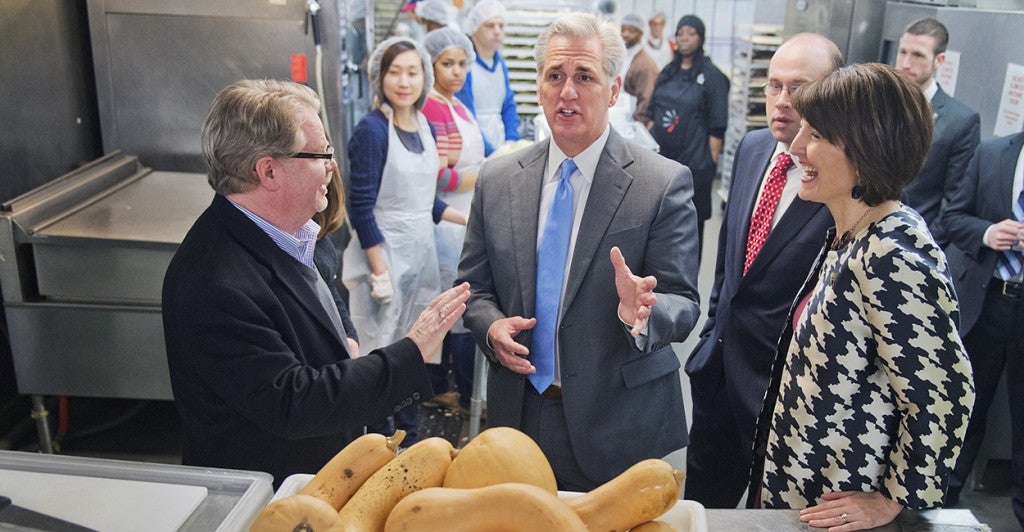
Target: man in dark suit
(984, 224)
(260, 366)
(957, 127)
(580, 346)
(764, 253)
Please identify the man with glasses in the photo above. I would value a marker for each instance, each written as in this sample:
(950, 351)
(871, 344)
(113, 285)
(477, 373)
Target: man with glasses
(768, 241)
(957, 131)
(260, 367)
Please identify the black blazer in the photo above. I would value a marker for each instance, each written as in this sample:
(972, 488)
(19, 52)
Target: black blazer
(983, 198)
(746, 314)
(956, 134)
(261, 377)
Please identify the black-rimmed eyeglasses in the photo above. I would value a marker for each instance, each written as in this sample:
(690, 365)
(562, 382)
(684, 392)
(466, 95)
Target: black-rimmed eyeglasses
(307, 155)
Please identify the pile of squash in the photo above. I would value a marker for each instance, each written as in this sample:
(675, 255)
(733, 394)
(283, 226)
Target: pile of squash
(499, 481)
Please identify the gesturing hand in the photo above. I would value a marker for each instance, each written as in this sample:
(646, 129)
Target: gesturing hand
(437, 319)
(636, 294)
(510, 353)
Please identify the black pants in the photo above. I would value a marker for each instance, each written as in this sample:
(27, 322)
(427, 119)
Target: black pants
(995, 342)
(717, 464)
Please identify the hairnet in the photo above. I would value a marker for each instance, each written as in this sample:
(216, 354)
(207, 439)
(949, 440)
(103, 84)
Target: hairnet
(434, 10)
(481, 12)
(634, 20)
(375, 75)
(441, 39)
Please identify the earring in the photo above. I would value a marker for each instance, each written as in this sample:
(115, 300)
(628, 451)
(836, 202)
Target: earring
(857, 192)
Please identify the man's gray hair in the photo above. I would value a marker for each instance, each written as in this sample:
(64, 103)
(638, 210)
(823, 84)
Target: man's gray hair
(251, 119)
(584, 26)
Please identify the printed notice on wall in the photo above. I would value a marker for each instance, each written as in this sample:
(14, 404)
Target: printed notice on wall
(1011, 105)
(946, 75)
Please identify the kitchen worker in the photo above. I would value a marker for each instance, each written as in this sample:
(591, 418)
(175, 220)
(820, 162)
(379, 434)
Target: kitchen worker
(487, 91)
(260, 367)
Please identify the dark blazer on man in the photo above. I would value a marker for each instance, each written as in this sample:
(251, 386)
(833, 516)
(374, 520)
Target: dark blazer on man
(622, 404)
(261, 377)
(955, 136)
(983, 199)
(731, 364)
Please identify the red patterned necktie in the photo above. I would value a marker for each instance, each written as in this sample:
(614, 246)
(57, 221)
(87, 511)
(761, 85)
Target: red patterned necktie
(761, 220)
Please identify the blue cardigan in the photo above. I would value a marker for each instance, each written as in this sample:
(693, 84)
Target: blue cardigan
(367, 153)
(509, 114)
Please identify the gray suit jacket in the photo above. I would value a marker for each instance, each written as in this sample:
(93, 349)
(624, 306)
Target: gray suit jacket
(956, 135)
(984, 198)
(622, 404)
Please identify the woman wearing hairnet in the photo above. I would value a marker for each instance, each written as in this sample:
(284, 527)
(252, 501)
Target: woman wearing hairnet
(390, 265)
(460, 145)
(487, 91)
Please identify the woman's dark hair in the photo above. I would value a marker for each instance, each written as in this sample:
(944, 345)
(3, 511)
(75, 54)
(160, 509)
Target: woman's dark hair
(389, 56)
(881, 119)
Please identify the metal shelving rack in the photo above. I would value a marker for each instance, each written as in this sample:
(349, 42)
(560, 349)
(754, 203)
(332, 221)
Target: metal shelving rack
(524, 23)
(747, 99)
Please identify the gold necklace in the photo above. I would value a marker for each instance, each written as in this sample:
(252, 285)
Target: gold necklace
(844, 240)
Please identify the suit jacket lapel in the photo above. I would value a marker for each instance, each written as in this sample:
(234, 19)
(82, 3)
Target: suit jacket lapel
(266, 251)
(606, 192)
(524, 197)
(1007, 167)
(793, 220)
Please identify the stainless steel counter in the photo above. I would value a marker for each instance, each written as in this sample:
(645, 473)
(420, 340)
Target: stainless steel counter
(82, 261)
(779, 520)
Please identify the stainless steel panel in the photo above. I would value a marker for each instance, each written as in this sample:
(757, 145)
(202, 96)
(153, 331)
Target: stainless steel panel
(99, 272)
(89, 351)
(854, 25)
(159, 65)
(49, 115)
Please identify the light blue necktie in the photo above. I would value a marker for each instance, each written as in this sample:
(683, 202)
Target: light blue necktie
(1009, 263)
(551, 258)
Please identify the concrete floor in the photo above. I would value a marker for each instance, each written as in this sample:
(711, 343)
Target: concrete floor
(153, 433)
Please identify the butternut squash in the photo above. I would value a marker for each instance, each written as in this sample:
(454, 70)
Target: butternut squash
(499, 455)
(639, 494)
(339, 478)
(655, 526)
(421, 466)
(299, 513)
(509, 507)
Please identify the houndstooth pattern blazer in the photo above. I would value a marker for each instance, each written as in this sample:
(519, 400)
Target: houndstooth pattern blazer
(874, 391)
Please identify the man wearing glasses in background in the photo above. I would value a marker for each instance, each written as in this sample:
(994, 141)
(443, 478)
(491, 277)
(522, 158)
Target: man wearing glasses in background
(260, 366)
(767, 244)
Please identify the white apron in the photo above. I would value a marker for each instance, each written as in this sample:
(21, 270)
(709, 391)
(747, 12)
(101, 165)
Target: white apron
(450, 236)
(488, 97)
(403, 213)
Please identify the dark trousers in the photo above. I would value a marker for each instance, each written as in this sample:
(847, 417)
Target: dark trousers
(717, 464)
(544, 421)
(457, 354)
(995, 342)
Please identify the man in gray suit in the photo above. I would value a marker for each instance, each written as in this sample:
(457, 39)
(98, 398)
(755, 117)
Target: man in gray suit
(579, 344)
(754, 284)
(984, 221)
(957, 129)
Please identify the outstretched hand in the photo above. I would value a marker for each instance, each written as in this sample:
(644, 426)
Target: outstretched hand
(438, 318)
(636, 294)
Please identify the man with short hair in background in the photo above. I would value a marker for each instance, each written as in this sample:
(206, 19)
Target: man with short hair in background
(957, 131)
(658, 47)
